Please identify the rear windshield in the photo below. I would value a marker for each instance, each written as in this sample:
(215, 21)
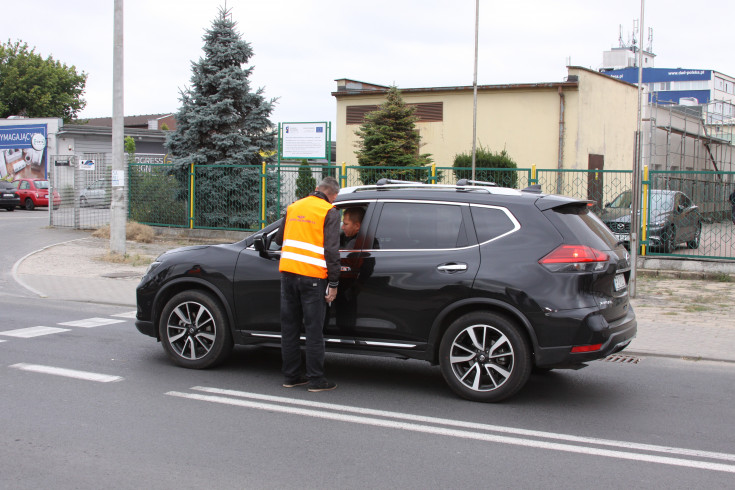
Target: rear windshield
(41, 184)
(578, 224)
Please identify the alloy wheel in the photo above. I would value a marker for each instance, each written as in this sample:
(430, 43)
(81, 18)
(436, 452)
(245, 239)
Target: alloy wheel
(481, 357)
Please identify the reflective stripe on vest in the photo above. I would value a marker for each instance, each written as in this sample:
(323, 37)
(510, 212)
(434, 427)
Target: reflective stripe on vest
(303, 242)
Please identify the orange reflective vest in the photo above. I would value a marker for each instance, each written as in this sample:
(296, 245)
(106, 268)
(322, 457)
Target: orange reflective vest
(302, 251)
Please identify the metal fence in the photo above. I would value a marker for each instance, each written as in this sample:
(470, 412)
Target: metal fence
(83, 183)
(246, 198)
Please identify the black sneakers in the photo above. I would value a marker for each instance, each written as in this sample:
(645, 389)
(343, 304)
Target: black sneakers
(321, 385)
(297, 381)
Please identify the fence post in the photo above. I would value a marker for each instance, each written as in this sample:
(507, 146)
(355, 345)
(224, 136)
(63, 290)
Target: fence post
(343, 177)
(644, 211)
(263, 195)
(432, 179)
(191, 196)
(534, 175)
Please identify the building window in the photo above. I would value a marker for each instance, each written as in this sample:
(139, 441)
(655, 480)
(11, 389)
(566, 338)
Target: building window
(425, 111)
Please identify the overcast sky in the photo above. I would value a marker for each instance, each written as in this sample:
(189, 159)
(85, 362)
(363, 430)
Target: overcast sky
(302, 46)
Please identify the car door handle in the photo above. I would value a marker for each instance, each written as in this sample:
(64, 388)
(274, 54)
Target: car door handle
(453, 267)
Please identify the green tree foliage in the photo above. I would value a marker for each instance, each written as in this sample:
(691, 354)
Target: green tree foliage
(130, 148)
(32, 86)
(305, 182)
(221, 126)
(489, 167)
(388, 138)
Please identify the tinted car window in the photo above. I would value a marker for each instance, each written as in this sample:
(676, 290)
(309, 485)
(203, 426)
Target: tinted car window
(420, 226)
(580, 222)
(490, 223)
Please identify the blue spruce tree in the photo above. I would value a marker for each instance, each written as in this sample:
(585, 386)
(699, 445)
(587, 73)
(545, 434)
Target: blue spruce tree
(222, 125)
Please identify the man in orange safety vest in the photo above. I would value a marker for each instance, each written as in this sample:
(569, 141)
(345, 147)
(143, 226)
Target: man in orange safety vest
(309, 266)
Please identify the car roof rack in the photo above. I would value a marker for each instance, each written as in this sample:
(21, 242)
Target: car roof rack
(466, 182)
(535, 188)
(385, 181)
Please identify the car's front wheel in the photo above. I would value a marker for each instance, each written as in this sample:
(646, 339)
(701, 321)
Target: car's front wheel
(194, 330)
(694, 242)
(485, 357)
(669, 239)
(10, 208)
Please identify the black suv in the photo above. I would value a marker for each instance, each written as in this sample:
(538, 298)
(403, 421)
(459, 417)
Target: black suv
(487, 282)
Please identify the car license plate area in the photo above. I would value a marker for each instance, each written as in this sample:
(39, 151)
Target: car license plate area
(620, 282)
(8, 195)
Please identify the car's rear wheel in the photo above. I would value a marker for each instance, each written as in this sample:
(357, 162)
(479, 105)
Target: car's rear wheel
(694, 242)
(29, 204)
(485, 357)
(194, 330)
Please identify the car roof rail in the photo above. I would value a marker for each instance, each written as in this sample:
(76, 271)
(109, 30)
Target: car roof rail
(466, 182)
(385, 181)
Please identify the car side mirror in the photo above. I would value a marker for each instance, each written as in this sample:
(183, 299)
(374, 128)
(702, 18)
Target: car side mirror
(607, 205)
(259, 244)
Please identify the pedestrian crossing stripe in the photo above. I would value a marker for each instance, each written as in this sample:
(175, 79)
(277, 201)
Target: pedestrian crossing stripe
(129, 314)
(91, 322)
(27, 333)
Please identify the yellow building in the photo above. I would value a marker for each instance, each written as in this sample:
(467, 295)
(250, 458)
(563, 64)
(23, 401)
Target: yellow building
(585, 122)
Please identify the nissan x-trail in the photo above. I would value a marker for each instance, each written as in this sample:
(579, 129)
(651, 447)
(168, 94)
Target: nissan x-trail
(488, 282)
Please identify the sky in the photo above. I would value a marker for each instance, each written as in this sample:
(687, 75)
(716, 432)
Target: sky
(302, 46)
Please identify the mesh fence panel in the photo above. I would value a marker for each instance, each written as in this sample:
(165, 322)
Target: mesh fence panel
(158, 195)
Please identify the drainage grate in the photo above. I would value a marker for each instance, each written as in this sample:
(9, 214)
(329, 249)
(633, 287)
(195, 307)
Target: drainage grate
(623, 359)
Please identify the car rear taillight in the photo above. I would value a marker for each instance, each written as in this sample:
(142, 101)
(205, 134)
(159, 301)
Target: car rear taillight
(575, 258)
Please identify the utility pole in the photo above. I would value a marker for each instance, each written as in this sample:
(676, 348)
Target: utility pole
(635, 217)
(118, 206)
(474, 91)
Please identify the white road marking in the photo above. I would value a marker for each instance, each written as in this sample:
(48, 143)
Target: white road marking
(465, 434)
(470, 425)
(129, 314)
(26, 333)
(69, 373)
(91, 322)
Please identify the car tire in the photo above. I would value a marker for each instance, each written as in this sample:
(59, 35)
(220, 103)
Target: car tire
(694, 243)
(29, 204)
(10, 208)
(485, 357)
(668, 240)
(194, 330)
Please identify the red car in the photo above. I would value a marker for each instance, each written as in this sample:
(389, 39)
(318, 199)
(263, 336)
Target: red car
(34, 192)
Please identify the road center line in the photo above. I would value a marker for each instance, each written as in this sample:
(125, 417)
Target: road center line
(69, 373)
(472, 425)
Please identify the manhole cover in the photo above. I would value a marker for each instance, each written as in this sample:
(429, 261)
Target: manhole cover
(623, 359)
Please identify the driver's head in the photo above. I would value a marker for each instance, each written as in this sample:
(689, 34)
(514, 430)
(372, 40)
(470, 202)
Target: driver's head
(351, 221)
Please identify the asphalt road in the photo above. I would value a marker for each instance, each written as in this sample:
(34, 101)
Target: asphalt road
(94, 401)
(86, 401)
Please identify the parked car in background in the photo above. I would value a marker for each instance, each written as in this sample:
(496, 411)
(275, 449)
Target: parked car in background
(8, 195)
(488, 282)
(95, 194)
(34, 192)
(672, 219)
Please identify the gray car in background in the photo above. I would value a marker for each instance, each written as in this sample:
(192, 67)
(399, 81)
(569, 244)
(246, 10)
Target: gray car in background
(96, 194)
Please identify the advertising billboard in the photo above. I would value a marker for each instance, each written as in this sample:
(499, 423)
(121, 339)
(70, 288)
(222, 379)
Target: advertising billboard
(23, 152)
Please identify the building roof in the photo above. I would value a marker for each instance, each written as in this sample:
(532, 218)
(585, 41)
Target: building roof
(140, 121)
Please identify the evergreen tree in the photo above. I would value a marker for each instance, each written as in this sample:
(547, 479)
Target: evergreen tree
(32, 86)
(388, 138)
(489, 167)
(305, 182)
(222, 124)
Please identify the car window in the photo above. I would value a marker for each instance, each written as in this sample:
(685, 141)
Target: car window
(420, 226)
(491, 223)
(41, 184)
(25, 185)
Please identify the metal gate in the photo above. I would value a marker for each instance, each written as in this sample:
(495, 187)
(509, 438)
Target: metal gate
(84, 184)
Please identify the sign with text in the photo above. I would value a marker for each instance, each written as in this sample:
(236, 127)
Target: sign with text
(304, 140)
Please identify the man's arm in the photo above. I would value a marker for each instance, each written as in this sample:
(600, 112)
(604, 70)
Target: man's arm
(331, 246)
